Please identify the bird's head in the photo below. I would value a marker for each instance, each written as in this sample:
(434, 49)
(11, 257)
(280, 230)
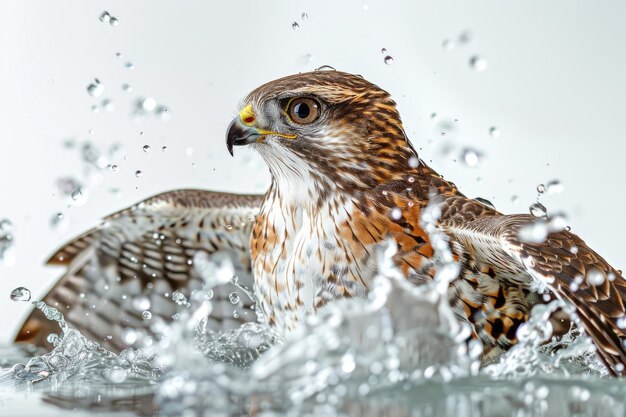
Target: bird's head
(324, 129)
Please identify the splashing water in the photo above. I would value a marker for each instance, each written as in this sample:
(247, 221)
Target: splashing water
(7, 256)
(400, 350)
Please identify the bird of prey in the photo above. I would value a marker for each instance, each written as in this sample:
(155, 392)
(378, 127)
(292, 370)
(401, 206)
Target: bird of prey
(345, 179)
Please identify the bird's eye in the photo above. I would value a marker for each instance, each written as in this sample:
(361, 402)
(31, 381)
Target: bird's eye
(303, 110)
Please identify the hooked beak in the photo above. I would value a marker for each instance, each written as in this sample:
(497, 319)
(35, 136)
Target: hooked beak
(240, 135)
(243, 131)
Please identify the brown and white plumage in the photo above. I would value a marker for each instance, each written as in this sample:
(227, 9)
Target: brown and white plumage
(348, 179)
(345, 178)
(145, 253)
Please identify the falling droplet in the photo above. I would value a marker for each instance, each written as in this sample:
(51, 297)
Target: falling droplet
(20, 294)
(163, 113)
(146, 148)
(130, 66)
(105, 17)
(554, 187)
(295, 26)
(138, 173)
(447, 44)
(557, 222)
(541, 188)
(396, 213)
(536, 232)
(164, 149)
(514, 199)
(146, 315)
(96, 88)
(115, 168)
(188, 151)
(478, 64)
(148, 104)
(234, 297)
(127, 87)
(465, 37)
(108, 105)
(538, 210)
(494, 132)
(414, 162)
(114, 21)
(595, 277)
(388, 60)
(471, 157)
(305, 16)
(383, 50)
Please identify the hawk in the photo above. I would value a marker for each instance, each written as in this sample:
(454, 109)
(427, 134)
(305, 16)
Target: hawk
(345, 179)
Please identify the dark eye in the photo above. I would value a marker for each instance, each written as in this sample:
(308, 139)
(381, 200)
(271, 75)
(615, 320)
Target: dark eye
(303, 110)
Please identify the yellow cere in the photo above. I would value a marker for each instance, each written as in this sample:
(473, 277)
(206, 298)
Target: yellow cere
(247, 118)
(247, 115)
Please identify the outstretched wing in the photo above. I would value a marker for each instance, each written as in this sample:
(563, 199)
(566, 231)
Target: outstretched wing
(139, 256)
(563, 263)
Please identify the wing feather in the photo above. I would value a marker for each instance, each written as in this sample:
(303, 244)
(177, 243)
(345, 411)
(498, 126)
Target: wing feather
(140, 255)
(563, 263)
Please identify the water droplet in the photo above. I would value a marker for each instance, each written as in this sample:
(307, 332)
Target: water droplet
(414, 162)
(595, 277)
(383, 50)
(78, 196)
(20, 294)
(234, 297)
(471, 157)
(396, 213)
(388, 60)
(148, 104)
(114, 21)
(138, 173)
(146, 148)
(494, 132)
(141, 303)
(116, 375)
(105, 17)
(129, 336)
(485, 202)
(554, 187)
(541, 188)
(96, 88)
(514, 199)
(115, 168)
(538, 210)
(295, 26)
(163, 113)
(188, 151)
(466, 37)
(164, 149)
(447, 44)
(478, 64)
(130, 65)
(325, 68)
(557, 222)
(535, 232)
(127, 88)
(146, 315)
(179, 298)
(305, 16)
(108, 105)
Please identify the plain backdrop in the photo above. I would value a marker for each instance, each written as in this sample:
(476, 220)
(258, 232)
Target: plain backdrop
(554, 87)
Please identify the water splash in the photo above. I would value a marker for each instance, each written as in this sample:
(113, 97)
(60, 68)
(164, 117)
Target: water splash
(7, 241)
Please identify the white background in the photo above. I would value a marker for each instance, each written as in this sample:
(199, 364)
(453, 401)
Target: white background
(554, 87)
